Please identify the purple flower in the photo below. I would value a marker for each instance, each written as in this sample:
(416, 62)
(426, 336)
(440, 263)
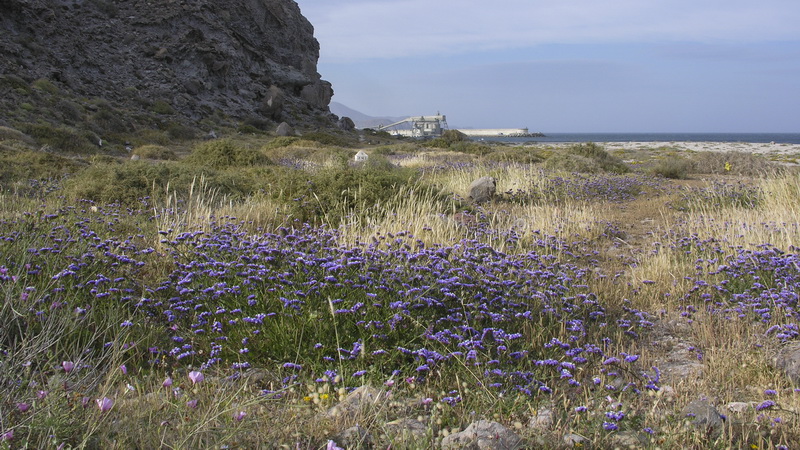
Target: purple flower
(770, 392)
(196, 376)
(580, 409)
(68, 366)
(124, 369)
(192, 403)
(239, 416)
(7, 436)
(167, 382)
(23, 407)
(765, 405)
(104, 403)
(332, 446)
(41, 395)
(610, 426)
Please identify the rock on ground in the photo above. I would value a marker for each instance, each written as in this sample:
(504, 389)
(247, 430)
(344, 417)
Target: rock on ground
(483, 435)
(284, 129)
(483, 189)
(788, 360)
(703, 415)
(357, 401)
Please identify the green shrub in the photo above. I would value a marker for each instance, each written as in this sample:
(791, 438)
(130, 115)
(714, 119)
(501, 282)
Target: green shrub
(7, 133)
(222, 153)
(60, 138)
(600, 156)
(733, 163)
(674, 167)
(21, 166)
(45, 85)
(281, 141)
(448, 138)
(155, 152)
(162, 107)
(521, 155)
(569, 162)
(329, 139)
(180, 132)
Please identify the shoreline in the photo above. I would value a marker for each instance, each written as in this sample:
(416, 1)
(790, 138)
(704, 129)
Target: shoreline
(707, 146)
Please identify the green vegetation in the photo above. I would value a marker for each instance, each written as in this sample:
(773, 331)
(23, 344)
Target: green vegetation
(287, 275)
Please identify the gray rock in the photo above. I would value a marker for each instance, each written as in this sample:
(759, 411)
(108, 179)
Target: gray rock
(573, 440)
(704, 416)
(356, 402)
(272, 105)
(483, 435)
(542, 420)
(284, 129)
(204, 58)
(788, 360)
(354, 438)
(407, 430)
(628, 439)
(483, 189)
(346, 124)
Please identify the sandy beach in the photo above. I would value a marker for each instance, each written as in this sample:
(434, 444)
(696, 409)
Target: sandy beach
(747, 147)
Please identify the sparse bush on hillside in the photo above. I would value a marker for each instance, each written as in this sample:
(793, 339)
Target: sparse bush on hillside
(162, 107)
(155, 152)
(600, 156)
(7, 133)
(33, 165)
(222, 153)
(180, 132)
(330, 139)
(448, 138)
(734, 163)
(673, 167)
(568, 162)
(60, 138)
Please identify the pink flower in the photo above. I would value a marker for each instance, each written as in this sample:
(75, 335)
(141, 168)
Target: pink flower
(332, 446)
(167, 382)
(239, 416)
(104, 403)
(68, 366)
(389, 383)
(196, 376)
(192, 403)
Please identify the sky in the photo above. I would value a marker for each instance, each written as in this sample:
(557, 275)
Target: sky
(567, 65)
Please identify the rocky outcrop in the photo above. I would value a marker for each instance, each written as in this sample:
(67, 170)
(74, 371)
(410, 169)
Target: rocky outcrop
(191, 60)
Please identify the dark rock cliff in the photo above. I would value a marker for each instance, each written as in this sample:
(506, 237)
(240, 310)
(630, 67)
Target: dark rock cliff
(195, 62)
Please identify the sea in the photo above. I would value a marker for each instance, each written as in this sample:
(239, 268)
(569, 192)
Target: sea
(763, 138)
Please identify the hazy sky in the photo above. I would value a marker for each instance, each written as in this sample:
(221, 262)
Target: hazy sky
(567, 65)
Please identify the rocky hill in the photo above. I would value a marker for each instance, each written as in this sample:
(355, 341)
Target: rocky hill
(111, 68)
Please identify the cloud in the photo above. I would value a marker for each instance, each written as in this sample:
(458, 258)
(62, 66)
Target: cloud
(364, 29)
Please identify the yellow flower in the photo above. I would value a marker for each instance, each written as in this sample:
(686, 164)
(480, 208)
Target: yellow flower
(727, 166)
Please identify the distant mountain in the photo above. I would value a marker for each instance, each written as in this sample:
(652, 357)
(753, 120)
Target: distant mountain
(360, 119)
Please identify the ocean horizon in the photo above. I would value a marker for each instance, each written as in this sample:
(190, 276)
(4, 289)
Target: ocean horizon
(763, 138)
